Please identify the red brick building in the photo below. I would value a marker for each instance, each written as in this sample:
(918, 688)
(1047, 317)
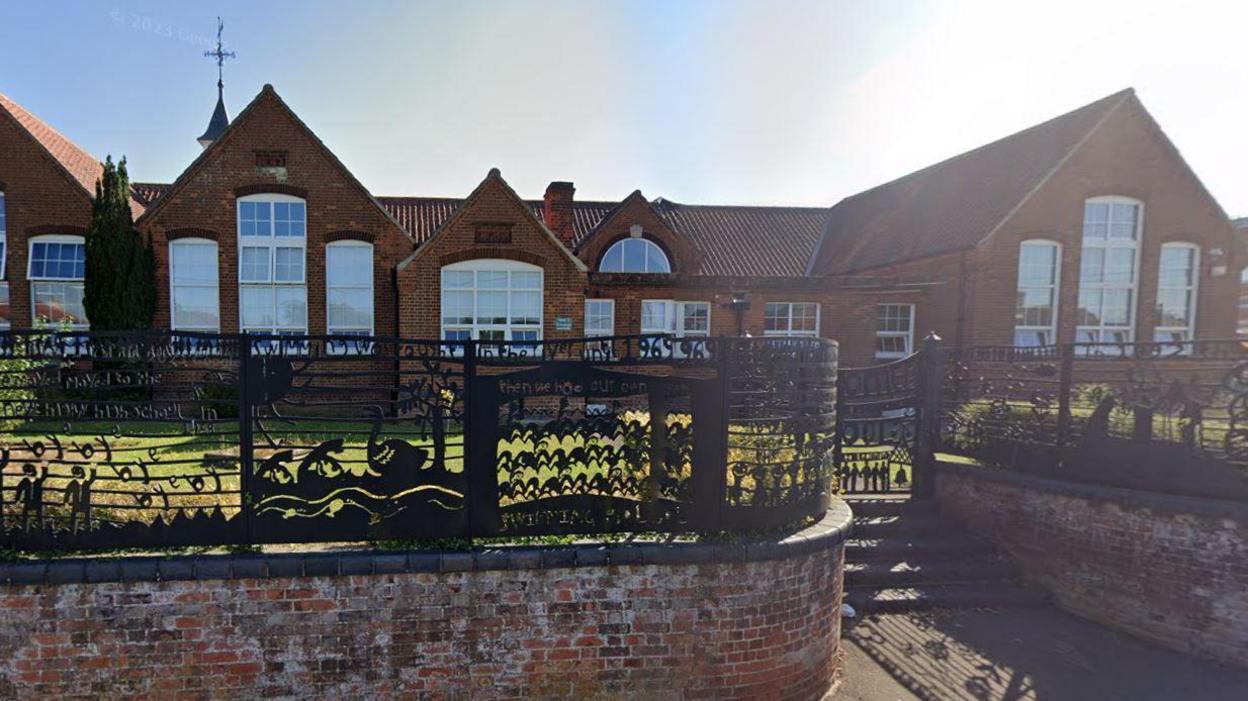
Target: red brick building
(1087, 227)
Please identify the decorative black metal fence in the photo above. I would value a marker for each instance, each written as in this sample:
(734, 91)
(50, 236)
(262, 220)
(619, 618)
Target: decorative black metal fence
(887, 423)
(157, 439)
(1169, 417)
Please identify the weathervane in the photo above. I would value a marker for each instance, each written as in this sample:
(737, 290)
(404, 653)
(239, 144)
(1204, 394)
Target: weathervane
(220, 54)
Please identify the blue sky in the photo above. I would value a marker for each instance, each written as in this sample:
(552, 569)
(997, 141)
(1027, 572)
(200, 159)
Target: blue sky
(782, 102)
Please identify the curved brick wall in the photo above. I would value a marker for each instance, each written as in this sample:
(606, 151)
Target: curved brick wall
(754, 620)
(1170, 569)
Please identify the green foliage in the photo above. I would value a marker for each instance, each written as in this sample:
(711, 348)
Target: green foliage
(120, 283)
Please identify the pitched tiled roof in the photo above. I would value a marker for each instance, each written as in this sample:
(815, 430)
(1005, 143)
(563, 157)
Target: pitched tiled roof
(955, 204)
(421, 216)
(147, 193)
(732, 240)
(80, 165)
(748, 241)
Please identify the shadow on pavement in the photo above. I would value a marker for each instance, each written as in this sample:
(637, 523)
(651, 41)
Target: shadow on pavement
(1026, 653)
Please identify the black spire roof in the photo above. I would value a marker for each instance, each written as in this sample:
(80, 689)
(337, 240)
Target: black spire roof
(220, 120)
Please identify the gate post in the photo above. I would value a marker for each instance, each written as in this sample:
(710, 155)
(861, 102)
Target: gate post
(246, 454)
(1065, 376)
(711, 412)
(931, 378)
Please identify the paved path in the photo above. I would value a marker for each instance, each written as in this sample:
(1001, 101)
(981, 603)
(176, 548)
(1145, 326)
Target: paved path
(1033, 653)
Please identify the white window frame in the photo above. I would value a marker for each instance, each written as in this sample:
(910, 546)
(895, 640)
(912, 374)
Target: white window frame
(1193, 289)
(1243, 302)
(635, 240)
(4, 263)
(674, 318)
(174, 284)
(342, 346)
(493, 265)
(272, 243)
(610, 304)
(45, 279)
(788, 330)
(908, 334)
(4, 237)
(1106, 246)
(1055, 289)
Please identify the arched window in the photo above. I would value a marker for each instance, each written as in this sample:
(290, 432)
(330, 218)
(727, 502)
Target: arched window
(193, 295)
(634, 255)
(1039, 279)
(1109, 271)
(57, 265)
(272, 253)
(490, 299)
(1177, 275)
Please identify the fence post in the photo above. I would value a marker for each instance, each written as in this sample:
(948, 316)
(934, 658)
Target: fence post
(246, 440)
(1065, 379)
(931, 378)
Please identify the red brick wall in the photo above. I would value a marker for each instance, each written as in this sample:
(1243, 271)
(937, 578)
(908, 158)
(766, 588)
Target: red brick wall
(1169, 569)
(493, 204)
(334, 204)
(747, 630)
(1127, 156)
(39, 196)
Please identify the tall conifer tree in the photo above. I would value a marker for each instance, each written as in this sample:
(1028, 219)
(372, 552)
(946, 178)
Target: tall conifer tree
(120, 282)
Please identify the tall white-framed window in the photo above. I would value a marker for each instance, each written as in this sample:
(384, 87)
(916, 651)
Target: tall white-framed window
(1108, 271)
(56, 266)
(634, 255)
(349, 292)
(894, 330)
(678, 318)
(1039, 279)
(492, 300)
(791, 319)
(4, 265)
(272, 264)
(600, 317)
(194, 300)
(1243, 302)
(1177, 276)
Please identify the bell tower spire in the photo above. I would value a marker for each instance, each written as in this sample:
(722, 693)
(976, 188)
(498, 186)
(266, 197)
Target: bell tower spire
(220, 120)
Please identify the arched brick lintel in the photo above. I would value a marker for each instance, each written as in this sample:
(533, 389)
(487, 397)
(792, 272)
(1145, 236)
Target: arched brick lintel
(47, 229)
(505, 253)
(346, 235)
(191, 233)
(270, 188)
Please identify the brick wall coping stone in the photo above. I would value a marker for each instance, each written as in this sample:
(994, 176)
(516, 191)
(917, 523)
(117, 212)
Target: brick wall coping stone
(829, 532)
(1214, 508)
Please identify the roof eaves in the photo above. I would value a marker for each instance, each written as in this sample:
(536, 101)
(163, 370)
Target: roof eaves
(1125, 94)
(493, 175)
(44, 148)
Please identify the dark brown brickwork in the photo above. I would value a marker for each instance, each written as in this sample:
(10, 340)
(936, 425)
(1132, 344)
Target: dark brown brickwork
(1127, 156)
(635, 209)
(1169, 569)
(968, 296)
(493, 203)
(39, 199)
(205, 198)
(744, 630)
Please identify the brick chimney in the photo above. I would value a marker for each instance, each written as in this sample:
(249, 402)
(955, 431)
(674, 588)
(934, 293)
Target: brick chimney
(557, 212)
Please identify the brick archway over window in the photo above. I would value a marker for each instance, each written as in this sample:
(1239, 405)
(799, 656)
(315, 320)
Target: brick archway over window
(504, 253)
